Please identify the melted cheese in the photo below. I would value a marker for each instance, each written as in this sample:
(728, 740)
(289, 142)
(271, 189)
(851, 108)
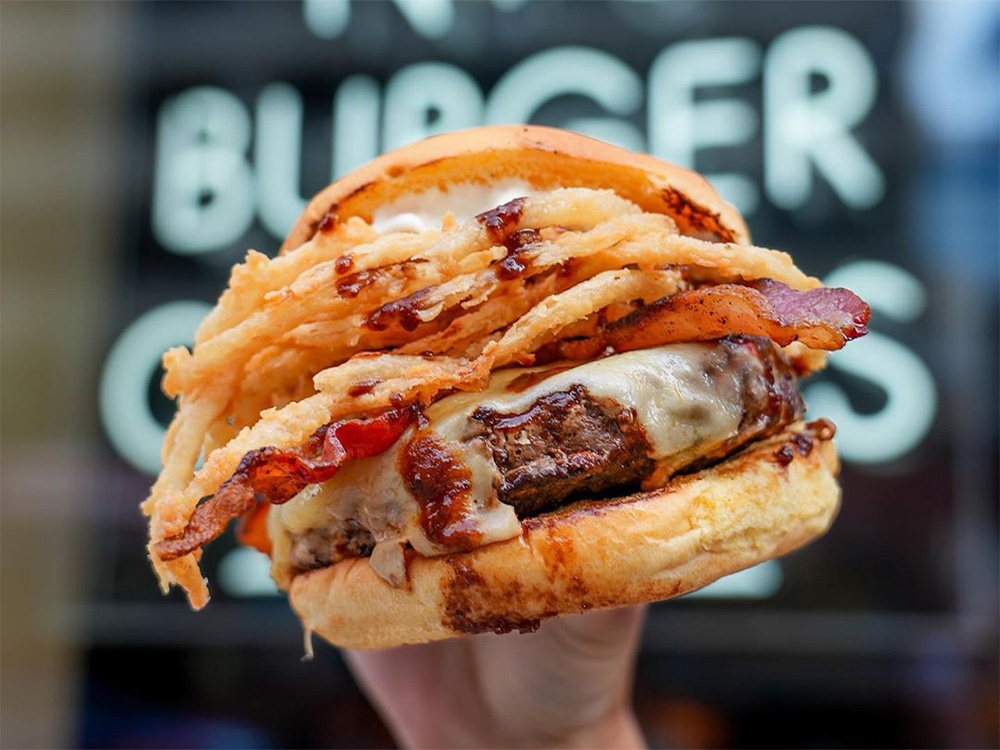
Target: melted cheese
(680, 396)
(666, 386)
(372, 491)
(416, 212)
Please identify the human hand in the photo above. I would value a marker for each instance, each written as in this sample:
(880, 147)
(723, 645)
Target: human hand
(567, 685)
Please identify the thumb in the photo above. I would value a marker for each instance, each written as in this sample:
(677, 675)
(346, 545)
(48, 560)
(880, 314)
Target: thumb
(596, 646)
(597, 636)
(572, 672)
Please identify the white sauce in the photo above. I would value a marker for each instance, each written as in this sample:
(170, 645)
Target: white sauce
(416, 212)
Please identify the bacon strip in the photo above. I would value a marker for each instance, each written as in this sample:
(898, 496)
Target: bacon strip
(279, 475)
(824, 318)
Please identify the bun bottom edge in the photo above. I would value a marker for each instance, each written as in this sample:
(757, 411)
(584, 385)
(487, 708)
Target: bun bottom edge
(649, 546)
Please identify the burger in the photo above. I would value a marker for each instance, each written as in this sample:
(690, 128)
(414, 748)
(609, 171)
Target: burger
(497, 376)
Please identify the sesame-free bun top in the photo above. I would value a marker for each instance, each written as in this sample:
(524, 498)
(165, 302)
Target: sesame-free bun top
(544, 158)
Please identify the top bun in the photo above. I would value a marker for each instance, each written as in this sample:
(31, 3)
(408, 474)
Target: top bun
(545, 158)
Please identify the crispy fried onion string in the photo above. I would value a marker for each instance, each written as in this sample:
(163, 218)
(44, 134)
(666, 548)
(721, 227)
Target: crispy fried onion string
(462, 268)
(354, 323)
(465, 250)
(251, 281)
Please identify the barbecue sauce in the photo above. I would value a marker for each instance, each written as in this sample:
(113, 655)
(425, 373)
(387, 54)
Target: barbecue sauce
(405, 311)
(442, 485)
(328, 223)
(500, 224)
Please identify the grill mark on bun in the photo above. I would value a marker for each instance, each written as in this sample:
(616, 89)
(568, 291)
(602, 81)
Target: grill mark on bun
(708, 224)
(478, 603)
(472, 604)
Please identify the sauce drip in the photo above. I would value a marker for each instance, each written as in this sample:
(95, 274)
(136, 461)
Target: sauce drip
(402, 310)
(328, 223)
(803, 443)
(501, 221)
(343, 264)
(784, 455)
(362, 387)
(514, 264)
(351, 286)
(441, 485)
(500, 224)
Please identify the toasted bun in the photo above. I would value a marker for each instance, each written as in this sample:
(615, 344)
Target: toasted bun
(761, 503)
(542, 157)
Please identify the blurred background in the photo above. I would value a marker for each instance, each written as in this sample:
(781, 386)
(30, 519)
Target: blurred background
(146, 146)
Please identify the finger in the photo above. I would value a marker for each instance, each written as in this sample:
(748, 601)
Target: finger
(598, 648)
(571, 673)
(599, 635)
(413, 689)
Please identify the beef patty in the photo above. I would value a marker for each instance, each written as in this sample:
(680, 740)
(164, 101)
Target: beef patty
(321, 547)
(571, 444)
(566, 444)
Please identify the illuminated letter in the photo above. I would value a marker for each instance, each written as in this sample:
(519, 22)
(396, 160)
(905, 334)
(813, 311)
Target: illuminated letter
(802, 128)
(203, 187)
(429, 18)
(570, 70)
(432, 19)
(355, 124)
(277, 156)
(429, 98)
(679, 126)
(124, 391)
(911, 397)
(326, 19)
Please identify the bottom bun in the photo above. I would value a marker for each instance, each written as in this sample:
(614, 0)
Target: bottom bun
(763, 502)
